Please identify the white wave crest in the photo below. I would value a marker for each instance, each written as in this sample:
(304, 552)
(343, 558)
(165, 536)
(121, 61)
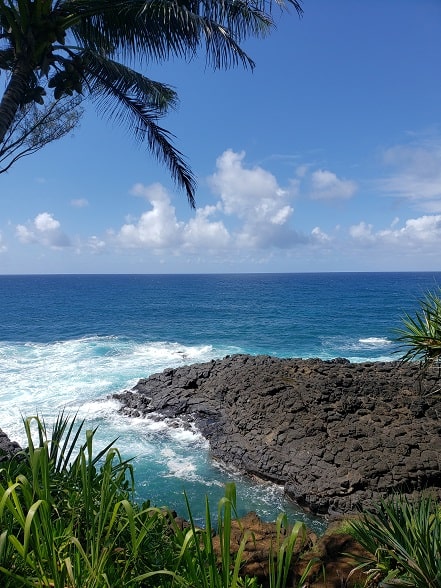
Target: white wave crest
(375, 341)
(76, 375)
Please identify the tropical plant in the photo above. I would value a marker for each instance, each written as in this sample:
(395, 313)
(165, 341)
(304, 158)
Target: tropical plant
(36, 126)
(280, 561)
(86, 47)
(200, 564)
(404, 540)
(420, 336)
(68, 519)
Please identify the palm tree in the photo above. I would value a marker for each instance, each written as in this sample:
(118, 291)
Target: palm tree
(86, 47)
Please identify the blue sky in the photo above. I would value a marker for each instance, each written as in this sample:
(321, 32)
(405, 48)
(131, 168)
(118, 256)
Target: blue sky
(326, 158)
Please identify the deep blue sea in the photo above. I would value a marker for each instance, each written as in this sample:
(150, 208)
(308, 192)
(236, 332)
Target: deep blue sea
(68, 342)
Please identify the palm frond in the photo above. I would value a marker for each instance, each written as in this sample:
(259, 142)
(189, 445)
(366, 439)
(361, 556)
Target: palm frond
(420, 336)
(159, 29)
(138, 103)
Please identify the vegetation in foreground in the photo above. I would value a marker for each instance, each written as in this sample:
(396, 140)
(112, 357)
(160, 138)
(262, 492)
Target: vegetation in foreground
(68, 519)
(404, 540)
(420, 336)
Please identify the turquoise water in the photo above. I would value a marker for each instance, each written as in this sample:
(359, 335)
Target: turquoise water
(68, 342)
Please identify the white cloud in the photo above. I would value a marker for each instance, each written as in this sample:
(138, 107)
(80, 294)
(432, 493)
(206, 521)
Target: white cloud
(79, 203)
(3, 247)
(96, 244)
(254, 197)
(325, 185)
(43, 230)
(250, 194)
(258, 211)
(362, 232)
(424, 231)
(157, 228)
(416, 174)
(45, 223)
(201, 233)
(320, 236)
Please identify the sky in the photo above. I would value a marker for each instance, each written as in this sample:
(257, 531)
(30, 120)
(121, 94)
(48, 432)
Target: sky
(326, 157)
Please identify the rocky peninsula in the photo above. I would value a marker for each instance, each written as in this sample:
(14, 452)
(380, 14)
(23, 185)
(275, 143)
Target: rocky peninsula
(338, 435)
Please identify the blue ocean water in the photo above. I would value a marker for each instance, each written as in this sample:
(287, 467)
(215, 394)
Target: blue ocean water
(68, 342)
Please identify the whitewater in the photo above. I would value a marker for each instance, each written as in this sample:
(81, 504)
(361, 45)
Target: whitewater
(70, 342)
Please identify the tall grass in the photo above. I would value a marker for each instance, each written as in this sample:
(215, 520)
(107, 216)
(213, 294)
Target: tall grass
(68, 519)
(404, 538)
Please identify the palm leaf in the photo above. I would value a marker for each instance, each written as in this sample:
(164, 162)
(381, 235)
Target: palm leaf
(159, 29)
(138, 102)
(420, 336)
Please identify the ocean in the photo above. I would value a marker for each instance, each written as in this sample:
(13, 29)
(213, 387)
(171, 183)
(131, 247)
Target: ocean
(68, 342)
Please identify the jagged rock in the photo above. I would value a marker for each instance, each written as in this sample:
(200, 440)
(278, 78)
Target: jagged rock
(338, 435)
(260, 545)
(7, 447)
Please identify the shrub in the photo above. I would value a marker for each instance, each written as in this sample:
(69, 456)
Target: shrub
(404, 538)
(66, 516)
(420, 336)
(68, 519)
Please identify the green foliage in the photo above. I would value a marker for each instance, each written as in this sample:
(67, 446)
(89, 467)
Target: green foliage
(404, 539)
(281, 559)
(64, 48)
(66, 517)
(68, 520)
(421, 335)
(197, 563)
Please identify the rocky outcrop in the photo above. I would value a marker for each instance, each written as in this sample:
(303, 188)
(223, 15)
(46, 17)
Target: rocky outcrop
(7, 447)
(338, 435)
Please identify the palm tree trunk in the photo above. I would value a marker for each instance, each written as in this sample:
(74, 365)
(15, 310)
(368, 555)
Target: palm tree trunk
(13, 96)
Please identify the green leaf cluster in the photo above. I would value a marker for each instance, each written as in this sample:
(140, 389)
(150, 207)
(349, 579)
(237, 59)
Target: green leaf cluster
(99, 49)
(404, 540)
(420, 336)
(68, 519)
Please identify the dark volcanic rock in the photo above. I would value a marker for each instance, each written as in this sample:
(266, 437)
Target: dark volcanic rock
(7, 447)
(338, 435)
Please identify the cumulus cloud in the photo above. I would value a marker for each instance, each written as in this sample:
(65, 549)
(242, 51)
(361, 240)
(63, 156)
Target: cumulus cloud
(43, 230)
(249, 193)
(325, 185)
(415, 174)
(254, 196)
(362, 232)
(201, 233)
(258, 211)
(158, 228)
(415, 232)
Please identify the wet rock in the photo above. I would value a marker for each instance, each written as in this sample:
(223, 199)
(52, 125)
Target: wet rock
(7, 447)
(338, 435)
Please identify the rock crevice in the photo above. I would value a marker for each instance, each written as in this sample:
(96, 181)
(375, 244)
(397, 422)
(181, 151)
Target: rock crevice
(338, 435)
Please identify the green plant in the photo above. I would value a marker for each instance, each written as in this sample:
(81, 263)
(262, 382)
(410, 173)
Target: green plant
(281, 557)
(404, 539)
(198, 564)
(421, 335)
(201, 565)
(66, 517)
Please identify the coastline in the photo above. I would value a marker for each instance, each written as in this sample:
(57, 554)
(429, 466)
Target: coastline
(338, 436)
